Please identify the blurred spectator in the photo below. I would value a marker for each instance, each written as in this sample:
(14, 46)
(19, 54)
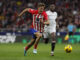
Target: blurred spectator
(71, 30)
(68, 10)
(71, 27)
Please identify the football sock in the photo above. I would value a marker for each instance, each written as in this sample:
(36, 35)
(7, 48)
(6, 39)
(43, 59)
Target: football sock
(53, 46)
(27, 47)
(35, 46)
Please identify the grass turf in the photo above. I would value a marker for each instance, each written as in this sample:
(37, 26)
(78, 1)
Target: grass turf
(15, 52)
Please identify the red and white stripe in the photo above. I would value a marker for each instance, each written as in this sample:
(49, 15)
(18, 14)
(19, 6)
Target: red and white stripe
(37, 25)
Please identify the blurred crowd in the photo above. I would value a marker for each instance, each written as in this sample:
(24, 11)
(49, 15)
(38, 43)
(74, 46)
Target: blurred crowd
(68, 11)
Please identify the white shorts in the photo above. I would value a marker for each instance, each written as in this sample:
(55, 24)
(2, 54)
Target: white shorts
(48, 30)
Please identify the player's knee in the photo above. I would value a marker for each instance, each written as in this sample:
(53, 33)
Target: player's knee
(39, 35)
(52, 35)
(53, 38)
(53, 41)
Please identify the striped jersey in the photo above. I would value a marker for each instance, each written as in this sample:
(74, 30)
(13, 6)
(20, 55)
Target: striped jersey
(36, 20)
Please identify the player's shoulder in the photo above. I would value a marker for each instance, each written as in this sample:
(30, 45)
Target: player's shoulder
(55, 12)
(44, 12)
(51, 12)
(48, 11)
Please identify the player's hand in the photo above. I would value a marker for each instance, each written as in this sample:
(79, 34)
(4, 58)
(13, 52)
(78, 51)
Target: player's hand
(41, 21)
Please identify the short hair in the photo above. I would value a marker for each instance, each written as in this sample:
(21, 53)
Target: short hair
(41, 4)
(52, 4)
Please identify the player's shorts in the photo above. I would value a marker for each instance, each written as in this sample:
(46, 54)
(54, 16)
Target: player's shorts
(32, 32)
(48, 30)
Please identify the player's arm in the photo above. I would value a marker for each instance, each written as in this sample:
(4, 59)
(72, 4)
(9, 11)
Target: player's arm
(46, 22)
(25, 10)
(46, 19)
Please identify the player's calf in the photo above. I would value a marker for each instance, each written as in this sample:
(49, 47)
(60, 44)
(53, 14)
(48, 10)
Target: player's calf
(53, 37)
(38, 36)
(28, 46)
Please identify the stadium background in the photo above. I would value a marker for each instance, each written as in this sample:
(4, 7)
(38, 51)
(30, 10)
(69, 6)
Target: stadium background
(14, 30)
(68, 11)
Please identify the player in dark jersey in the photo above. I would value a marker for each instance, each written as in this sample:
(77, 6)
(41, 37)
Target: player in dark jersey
(40, 18)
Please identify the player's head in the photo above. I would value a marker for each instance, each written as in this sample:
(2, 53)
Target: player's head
(41, 7)
(52, 7)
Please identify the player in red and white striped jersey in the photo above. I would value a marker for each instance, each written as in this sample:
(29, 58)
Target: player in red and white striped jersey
(37, 18)
(40, 18)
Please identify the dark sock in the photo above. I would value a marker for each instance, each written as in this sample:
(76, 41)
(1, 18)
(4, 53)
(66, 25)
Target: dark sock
(53, 46)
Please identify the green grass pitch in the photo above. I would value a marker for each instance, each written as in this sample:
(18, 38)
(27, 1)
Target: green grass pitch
(15, 52)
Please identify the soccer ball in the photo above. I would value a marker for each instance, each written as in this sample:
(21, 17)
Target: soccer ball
(68, 48)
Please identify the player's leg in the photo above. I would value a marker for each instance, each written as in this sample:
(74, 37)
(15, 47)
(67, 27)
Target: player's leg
(53, 37)
(28, 46)
(31, 31)
(38, 36)
(46, 38)
(52, 32)
(70, 37)
(45, 34)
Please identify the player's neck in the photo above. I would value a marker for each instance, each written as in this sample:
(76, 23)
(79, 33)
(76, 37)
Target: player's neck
(52, 10)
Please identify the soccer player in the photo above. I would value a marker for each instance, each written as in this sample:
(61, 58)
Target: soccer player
(50, 30)
(40, 18)
(71, 30)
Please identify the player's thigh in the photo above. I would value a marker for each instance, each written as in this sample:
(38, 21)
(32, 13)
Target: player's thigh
(52, 33)
(46, 32)
(45, 35)
(52, 29)
(38, 34)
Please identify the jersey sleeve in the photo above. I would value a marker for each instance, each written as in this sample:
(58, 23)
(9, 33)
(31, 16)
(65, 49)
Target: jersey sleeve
(45, 16)
(32, 11)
